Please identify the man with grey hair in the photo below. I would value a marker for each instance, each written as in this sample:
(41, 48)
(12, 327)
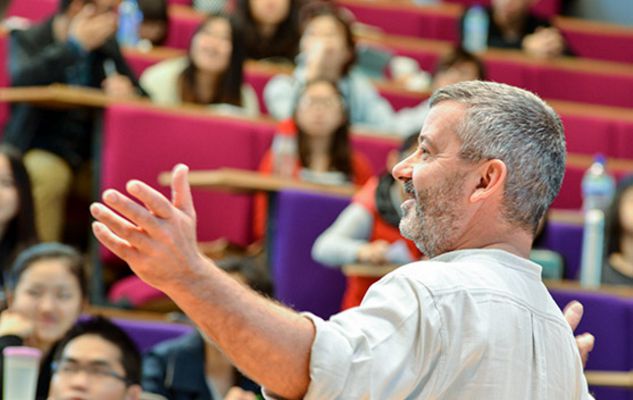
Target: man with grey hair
(473, 322)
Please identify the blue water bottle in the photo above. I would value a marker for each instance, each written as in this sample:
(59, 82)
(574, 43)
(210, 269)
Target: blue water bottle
(598, 188)
(475, 31)
(130, 18)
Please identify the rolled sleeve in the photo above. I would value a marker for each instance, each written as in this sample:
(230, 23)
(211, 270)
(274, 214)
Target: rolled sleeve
(383, 349)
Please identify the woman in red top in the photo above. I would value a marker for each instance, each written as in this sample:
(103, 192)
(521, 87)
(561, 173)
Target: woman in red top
(323, 143)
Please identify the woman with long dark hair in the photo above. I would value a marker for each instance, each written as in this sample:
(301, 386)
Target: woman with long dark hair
(270, 28)
(324, 152)
(327, 50)
(17, 220)
(211, 74)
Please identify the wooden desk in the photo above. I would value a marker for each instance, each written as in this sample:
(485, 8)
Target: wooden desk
(244, 181)
(610, 378)
(369, 271)
(56, 96)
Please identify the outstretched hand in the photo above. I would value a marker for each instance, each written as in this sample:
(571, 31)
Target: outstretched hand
(157, 238)
(573, 314)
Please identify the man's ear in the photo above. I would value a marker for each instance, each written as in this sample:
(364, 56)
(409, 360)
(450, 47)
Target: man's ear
(491, 177)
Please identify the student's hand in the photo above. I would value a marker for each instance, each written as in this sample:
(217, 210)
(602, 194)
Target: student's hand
(573, 314)
(118, 86)
(373, 253)
(325, 59)
(14, 323)
(157, 238)
(92, 30)
(544, 43)
(236, 393)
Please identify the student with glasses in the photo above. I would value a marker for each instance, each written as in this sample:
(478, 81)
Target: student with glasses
(96, 360)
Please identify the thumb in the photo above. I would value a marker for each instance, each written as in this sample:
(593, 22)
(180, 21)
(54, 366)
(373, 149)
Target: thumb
(181, 191)
(573, 314)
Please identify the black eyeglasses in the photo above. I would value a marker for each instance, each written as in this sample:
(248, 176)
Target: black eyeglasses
(94, 371)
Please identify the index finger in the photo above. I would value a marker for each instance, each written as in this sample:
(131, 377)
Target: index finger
(181, 190)
(573, 314)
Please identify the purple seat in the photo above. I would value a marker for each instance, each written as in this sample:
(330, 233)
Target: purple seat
(149, 333)
(608, 318)
(565, 239)
(301, 282)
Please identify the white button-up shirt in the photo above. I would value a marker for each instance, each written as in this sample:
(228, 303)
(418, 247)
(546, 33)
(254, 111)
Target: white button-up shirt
(470, 324)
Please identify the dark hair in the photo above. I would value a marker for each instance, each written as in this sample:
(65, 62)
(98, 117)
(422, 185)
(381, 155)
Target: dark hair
(613, 224)
(255, 275)
(459, 56)
(110, 332)
(344, 18)
(20, 231)
(283, 43)
(229, 84)
(64, 4)
(49, 251)
(155, 11)
(340, 148)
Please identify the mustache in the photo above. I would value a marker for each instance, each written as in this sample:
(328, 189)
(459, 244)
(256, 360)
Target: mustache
(408, 188)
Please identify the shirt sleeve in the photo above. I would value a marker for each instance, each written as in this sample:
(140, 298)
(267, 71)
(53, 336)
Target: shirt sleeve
(280, 94)
(385, 348)
(339, 244)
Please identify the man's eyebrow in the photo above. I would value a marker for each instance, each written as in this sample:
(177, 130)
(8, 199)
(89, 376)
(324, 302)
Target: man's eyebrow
(95, 363)
(422, 139)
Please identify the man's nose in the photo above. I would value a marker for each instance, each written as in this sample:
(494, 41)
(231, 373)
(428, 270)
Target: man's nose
(402, 170)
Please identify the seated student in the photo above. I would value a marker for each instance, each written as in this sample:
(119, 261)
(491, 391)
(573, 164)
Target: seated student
(96, 360)
(327, 50)
(513, 26)
(211, 74)
(46, 292)
(457, 66)
(155, 20)
(323, 143)
(366, 232)
(192, 366)
(618, 266)
(270, 28)
(76, 46)
(17, 221)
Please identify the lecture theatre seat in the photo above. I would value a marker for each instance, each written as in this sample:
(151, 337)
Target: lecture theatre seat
(142, 141)
(300, 282)
(608, 318)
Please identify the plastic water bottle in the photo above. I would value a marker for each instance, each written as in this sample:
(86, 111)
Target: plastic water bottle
(130, 18)
(598, 186)
(284, 149)
(475, 29)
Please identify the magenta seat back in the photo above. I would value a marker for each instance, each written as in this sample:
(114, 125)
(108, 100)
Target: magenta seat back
(427, 22)
(140, 142)
(181, 29)
(589, 135)
(33, 10)
(594, 44)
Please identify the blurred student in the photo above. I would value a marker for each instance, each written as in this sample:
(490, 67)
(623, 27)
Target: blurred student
(366, 231)
(211, 74)
(96, 360)
(46, 292)
(456, 66)
(76, 47)
(327, 50)
(17, 222)
(155, 21)
(323, 142)
(192, 366)
(270, 28)
(618, 266)
(513, 26)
